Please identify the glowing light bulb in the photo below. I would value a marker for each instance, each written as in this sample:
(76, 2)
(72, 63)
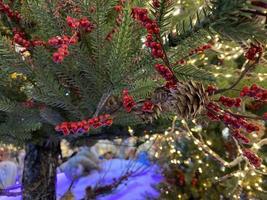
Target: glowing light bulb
(177, 11)
(209, 142)
(130, 130)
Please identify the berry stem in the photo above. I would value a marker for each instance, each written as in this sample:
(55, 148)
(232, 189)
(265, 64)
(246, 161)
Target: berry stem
(245, 116)
(242, 75)
(165, 58)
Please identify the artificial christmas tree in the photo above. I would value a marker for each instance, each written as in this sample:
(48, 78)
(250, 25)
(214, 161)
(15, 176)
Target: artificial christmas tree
(88, 65)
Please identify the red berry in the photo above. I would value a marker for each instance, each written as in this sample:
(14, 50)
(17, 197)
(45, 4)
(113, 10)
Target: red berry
(147, 106)
(252, 158)
(156, 3)
(128, 101)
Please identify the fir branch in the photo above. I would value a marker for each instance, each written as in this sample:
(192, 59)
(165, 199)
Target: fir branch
(6, 104)
(163, 14)
(11, 60)
(203, 21)
(192, 72)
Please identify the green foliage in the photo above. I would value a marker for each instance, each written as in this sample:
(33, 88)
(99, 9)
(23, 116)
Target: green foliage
(10, 60)
(231, 19)
(126, 119)
(192, 72)
(40, 15)
(97, 67)
(143, 88)
(233, 22)
(6, 105)
(191, 26)
(163, 14)
(188, 44)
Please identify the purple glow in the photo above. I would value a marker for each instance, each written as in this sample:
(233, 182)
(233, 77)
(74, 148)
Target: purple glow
(139, 185)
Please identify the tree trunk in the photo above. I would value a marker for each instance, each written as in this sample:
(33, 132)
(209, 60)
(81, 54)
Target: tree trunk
(39, 175)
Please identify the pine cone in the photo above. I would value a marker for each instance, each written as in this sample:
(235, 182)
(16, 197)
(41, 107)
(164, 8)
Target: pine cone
(112, 104)
(186, 99)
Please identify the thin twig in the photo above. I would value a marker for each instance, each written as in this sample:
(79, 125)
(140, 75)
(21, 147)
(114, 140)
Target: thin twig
(247, 67)
(255, 12)
(165, 59)
(102, 102)
(210, 152)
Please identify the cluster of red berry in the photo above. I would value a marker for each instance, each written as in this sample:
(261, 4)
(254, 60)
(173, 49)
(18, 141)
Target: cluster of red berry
(31, 104)
(102, 120)
(110, 34)
(141, 14)
(238, 122)
(84, 126)
(128, 101)
(13, 15)
(194, 182)
(62, 43)
(256, 105)
(171, 84)
(240, 137)
(62, 52)
(230, 120)
(265, 116)
(181, 62)
(230, 102)
(119, 9)
(83, 24)
(254, 52)
(259, 3)
(147, 106)
(211, 89)
(252, 158)
(255, 92)
(60, 40)
(36, 43)
(200, 49)
(156, 3)
(215, 113)
(165, 72)
(155, 47)
(197, 50)
(19, 38)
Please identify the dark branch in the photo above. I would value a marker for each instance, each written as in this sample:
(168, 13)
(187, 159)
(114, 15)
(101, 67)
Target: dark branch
(243, 74)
